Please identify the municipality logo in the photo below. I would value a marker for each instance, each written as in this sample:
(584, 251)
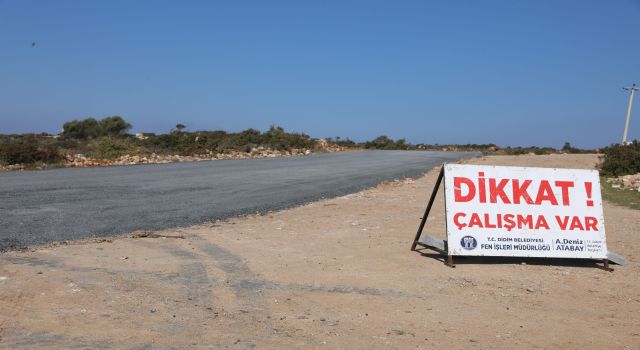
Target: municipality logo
(468, 243)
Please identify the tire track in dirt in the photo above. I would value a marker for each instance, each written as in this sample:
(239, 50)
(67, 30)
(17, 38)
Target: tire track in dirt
(201, 272)
(193, 274)
(57, 265)
(250, 304)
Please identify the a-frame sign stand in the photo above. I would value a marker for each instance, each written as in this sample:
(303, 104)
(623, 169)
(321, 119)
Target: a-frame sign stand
(429, 241)
(441, 246)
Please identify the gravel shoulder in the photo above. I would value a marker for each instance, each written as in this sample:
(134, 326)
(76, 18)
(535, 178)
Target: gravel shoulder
(334, 273)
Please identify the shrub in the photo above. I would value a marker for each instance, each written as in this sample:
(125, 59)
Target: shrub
(567, 148)
(384, 142)
(29, 150)
(111, 148)
(81, 129)
(515, 151)
(526, 150)
(90, 128)
(184, 143)
(621, 159)
(114, 126)
(276, 138)
(342, 142)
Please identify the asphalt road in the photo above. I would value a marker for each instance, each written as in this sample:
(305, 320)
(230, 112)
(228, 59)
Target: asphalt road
(63, 204)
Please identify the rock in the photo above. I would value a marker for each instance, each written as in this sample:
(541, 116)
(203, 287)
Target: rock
(627, 182)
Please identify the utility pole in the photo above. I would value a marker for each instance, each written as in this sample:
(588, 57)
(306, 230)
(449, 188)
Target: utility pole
(631, 89)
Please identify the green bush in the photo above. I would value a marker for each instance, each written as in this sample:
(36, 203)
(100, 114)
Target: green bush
(567, 148)
(621, 160)
(114, 126)
(342, 142)
(470, 147)
(81, 129)
(29, 150)
(184, 143)
(111, 148)
(91, 129)
(384, 142)
(276, 138)
(515, 151)
(526, 150)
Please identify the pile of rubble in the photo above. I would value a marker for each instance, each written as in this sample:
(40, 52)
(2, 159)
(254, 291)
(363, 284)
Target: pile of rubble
(326, 146)
(81, 161)
(12, 167)
(627, 182)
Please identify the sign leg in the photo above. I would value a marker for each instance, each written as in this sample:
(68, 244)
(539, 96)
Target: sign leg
(606, 267)
(426, 212)
(450, 261)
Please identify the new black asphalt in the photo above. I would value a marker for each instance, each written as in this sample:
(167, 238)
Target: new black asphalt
(63, 204)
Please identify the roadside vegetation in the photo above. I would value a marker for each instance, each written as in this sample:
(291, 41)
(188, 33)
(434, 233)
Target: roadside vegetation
(621, 159)
(29, 149)
(620, 170)
(109, 139)
(620, 196)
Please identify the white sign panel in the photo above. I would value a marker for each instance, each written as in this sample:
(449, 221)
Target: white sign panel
(531, 212)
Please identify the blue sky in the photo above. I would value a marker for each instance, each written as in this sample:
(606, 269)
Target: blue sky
(505, 72)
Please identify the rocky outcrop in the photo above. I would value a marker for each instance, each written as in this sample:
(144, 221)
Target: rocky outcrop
(81, 161)
(627, 182)
(12, 167)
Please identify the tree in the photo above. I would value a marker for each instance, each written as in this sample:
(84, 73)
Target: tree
(384, 142)
(275, 131)
(81, 129)
(90, 128)
(114, 126)
(380, 142)
(180, 127)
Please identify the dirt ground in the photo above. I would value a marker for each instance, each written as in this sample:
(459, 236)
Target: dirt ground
(336, 273)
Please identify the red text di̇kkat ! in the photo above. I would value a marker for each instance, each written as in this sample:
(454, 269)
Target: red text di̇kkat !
(523, 192)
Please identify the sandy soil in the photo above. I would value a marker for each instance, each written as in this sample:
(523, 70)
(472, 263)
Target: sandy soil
(335, 274)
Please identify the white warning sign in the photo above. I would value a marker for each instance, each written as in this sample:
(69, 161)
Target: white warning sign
(517, 211)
